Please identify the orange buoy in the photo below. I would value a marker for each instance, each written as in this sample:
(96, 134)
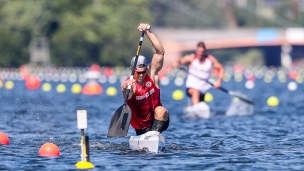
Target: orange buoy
(49, 150)
(92, 89)
(4, 139)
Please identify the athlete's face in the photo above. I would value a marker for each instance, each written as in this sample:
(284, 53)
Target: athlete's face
(140, 75)
(200, 52)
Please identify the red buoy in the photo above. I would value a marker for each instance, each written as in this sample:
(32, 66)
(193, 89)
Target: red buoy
(49, 150)
(32, 82)
(4, 139)
(92, 89)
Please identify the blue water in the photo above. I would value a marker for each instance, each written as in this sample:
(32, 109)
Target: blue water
(270, 139)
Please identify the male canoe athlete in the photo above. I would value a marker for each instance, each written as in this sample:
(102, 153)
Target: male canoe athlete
(200, 67)
(148, 114)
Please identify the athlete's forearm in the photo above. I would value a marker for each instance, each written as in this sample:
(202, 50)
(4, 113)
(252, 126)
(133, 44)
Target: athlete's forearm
(159, 49)
(220, 73)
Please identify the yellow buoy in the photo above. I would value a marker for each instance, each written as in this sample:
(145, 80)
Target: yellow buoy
(178, 95)
(208, 97)
(299, 79)
(1, 83)
(227, 77)
(236, 99)
(238, 77)
(84, 165)
(111, 91)
(46, 87)
(76, 88)
(273, 101)
(60, 88)
(9, 85)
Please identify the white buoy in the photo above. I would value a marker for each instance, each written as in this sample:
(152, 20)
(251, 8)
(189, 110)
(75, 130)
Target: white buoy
(64, 77)
(73, 78)
(292, 86)
(164, 81)
(123, 78)
(56, 77)
(112, 79)
(82, 78)
(179, 81)
(249, 84)
(102, 79)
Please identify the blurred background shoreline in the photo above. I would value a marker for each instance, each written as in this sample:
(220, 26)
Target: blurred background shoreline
(81, 33)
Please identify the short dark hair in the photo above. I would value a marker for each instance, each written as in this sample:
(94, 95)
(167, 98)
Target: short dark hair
(201, 44)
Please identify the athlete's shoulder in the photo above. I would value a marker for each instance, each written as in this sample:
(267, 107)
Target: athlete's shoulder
(212, 58)
(189, 56)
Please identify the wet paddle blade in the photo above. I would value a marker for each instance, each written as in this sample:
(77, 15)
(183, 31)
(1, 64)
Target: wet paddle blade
(241, 97)
(239, 108)
(120, 122)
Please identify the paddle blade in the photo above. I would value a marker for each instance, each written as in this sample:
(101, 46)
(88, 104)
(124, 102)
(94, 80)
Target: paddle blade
(241, 97)
(120, 122)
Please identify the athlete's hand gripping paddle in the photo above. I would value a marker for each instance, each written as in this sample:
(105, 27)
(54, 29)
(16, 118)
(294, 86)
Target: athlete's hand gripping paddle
(121, 118)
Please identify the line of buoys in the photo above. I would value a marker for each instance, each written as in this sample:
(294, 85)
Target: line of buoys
(72, 74)
(111, 75)
(4, 140)
(49, 150)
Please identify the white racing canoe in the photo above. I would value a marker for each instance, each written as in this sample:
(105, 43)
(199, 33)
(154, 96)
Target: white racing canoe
(200, 110)
(153, 141)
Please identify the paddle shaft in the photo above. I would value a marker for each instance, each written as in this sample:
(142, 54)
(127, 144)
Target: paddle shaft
(135, 63)
(121, 118)
(223, 89)
(233, 94)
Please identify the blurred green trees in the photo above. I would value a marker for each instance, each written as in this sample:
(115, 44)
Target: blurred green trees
(82, 32)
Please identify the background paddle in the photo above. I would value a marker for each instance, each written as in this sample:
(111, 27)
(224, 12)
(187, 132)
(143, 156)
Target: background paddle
(121, 118)
(232, 93)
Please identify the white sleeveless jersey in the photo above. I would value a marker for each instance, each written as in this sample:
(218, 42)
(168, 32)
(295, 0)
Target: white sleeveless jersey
(198, 73)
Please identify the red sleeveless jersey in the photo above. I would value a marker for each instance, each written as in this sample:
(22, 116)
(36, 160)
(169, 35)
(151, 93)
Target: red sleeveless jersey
(143, 102)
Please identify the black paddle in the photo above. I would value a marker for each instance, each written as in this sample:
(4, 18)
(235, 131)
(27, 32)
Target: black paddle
(232, 93)
(121, 118)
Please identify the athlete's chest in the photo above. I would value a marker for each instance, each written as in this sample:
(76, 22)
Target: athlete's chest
(198, 66)
(146, 86)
